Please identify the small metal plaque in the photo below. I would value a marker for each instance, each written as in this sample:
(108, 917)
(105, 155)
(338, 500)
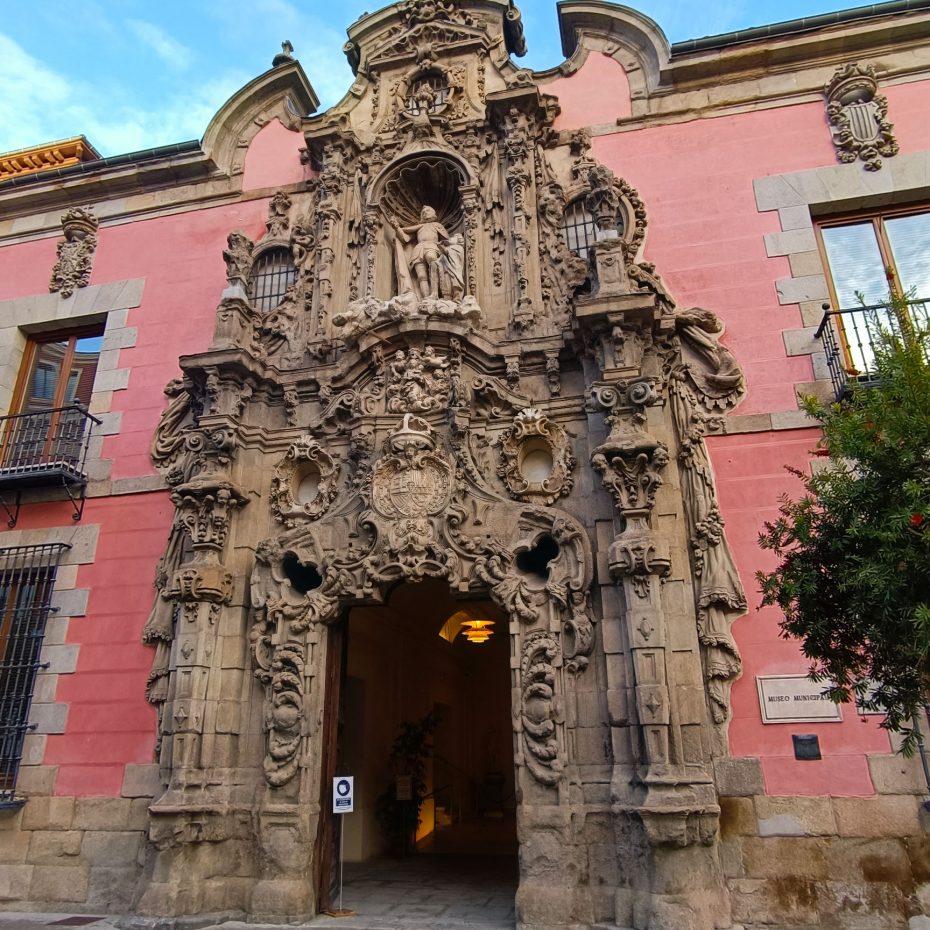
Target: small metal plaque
(795, 699)
(806, 747)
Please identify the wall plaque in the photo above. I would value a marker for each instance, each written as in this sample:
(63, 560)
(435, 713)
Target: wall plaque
(795, 699)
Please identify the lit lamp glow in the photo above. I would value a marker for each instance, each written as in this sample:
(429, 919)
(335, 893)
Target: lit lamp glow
(477, 631)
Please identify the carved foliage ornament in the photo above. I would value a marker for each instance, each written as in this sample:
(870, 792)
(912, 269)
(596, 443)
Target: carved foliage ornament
(75, 252)
(858, 117)
(304, 483)
(536, 458)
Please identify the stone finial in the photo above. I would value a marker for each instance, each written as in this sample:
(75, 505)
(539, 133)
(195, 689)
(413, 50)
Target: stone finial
(285, 56)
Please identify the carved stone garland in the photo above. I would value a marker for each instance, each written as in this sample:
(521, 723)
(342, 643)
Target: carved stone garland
(533, 435)
(306, 462)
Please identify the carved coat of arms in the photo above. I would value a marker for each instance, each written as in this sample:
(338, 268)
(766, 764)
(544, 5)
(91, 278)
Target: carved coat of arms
(412, 480)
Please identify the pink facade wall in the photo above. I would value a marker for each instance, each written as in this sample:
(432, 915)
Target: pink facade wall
(705, 236)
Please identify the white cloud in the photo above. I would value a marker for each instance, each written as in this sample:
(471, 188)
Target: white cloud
(40, 105)
(165, 46)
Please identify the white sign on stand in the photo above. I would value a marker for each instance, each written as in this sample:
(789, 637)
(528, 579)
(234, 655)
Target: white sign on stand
(343, 803)
(343, 794)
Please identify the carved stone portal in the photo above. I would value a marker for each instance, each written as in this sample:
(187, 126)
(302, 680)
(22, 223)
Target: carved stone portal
(410, 408)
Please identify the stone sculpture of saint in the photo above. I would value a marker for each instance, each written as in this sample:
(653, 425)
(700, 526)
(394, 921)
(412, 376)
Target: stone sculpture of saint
(423, 263)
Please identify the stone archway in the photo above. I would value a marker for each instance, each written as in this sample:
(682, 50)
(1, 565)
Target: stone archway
(417, 517)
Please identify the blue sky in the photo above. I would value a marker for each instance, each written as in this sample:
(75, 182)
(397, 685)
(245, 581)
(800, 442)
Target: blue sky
(131, 74)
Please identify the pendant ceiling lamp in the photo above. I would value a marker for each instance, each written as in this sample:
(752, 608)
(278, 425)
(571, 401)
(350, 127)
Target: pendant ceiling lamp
(477, 631)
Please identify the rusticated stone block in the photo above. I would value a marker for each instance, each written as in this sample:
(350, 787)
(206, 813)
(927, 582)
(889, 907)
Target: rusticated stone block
(13, 879)
(737, 817)
(795, 816)
(105, 848)
(52, 883)
(783, 858)
(101, 813)
(36, 780)
(918, 852)
(48, 814)
(139, 814)
(54, 845)
(14, 846)
(886, 815)
(870, 860)
(895, 774)
(739, 777)
(112, 889)
(11, 820)
(780, 902)
(141, 781)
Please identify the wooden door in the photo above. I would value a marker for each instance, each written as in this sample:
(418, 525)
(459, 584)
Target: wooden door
(326, 853)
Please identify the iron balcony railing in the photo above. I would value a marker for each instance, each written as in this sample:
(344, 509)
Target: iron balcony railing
(42, 449)
(851, 336)
(27, 580)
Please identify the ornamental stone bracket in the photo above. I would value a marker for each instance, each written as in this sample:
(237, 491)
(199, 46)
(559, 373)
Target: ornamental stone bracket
(858, 117)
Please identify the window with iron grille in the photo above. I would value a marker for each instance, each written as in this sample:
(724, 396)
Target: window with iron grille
(27, 579)
(431, 102)
(272, 274)
(579, 229)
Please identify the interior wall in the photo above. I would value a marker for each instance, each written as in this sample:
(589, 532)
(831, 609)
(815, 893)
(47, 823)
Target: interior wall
(399, 669)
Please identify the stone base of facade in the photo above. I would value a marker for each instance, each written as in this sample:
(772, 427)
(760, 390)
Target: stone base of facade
(843, 863)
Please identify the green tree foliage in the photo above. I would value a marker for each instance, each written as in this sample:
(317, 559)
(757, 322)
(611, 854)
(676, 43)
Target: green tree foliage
(853, 578)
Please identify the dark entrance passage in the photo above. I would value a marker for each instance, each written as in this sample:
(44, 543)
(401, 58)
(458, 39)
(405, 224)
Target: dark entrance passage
(425, 728)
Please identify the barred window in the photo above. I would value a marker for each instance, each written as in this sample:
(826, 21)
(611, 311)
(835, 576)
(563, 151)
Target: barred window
(272, 274)
(27, 578)
(579, 229)
(431, 103)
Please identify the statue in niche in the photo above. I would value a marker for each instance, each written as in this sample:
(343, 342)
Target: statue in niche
(435, 266)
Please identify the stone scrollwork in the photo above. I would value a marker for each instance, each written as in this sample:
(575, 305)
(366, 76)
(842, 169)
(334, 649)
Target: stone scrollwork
(857, 114)
(540, 708)
(304, 483)
(419, 524)
(75, 252)
(536, 458)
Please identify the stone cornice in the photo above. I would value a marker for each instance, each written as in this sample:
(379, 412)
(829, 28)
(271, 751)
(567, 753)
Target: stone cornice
(60, 154)
(676, 81)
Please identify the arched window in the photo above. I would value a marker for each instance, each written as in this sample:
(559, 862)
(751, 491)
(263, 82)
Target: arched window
(579, 229)
(272, 274)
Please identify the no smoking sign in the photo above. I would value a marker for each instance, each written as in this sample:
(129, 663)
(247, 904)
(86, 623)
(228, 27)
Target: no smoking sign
(343, 794)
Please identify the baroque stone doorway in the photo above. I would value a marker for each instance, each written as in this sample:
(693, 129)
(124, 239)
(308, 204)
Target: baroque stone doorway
(405, 663)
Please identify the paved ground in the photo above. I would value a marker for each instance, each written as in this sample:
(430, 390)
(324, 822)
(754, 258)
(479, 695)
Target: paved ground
(420, 893)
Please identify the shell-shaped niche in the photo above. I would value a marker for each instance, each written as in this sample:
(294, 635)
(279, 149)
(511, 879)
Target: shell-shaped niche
(425, 180)
(536, 460)
(304, 483)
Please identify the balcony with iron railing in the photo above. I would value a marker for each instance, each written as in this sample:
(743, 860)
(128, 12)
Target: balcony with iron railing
(45, 449)
(851, 336)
